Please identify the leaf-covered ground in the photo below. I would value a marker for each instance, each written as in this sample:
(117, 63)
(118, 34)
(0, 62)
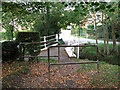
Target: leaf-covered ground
(35, 75)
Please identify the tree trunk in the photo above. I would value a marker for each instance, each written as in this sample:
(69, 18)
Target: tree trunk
(47, 19)
(115, 49)
(96, 36)
(119, 34)
(96, 31)
(104, 33)
(107, 38)
(12, 29)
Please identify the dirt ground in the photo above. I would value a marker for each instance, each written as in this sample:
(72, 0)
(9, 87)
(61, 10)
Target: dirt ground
(62, 76)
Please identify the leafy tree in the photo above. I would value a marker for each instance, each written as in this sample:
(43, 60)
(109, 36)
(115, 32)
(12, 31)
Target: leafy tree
(17, 14)
(52, 19)
(113, 18)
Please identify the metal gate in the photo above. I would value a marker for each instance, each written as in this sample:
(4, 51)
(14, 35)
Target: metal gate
(68, 63)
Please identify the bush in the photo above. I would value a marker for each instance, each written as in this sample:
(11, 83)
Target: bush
(61, 41)
(113, 59)
(32, 49)
(90, 53)
(9, 50)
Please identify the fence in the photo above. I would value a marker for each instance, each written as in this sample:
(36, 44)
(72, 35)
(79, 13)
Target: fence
(68, 63)
(50, 38)
(46, 41)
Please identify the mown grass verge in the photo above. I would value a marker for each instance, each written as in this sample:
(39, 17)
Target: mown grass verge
(107, 76)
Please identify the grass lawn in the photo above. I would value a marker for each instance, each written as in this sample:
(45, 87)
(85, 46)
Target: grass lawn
(108, 76)
(91, 38)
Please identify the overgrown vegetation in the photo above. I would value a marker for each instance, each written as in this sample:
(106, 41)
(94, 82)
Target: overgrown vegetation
(9, 50)
(90, 53)
(30, 48)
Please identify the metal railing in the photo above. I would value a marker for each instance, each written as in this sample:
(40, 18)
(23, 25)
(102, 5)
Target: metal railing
(46, 39)
(46, 43)
(22, 55)
(68, 63)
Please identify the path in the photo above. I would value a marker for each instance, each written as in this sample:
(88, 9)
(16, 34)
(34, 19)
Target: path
(68, 38)
(54, 52)
(63, 76)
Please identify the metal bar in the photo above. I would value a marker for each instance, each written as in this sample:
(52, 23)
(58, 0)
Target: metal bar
(58, 49)
(48, 64)
(67, 63)
(58, 54)
(98, 66)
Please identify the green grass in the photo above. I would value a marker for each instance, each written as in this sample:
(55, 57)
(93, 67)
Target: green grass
(85, 67)
(90, 38)
(108, 76)
(25, 69)
(90, 53)
(46, 60)
(16, 72)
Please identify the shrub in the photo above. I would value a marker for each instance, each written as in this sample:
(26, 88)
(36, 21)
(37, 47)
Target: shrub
(90, 53)
(32, 49)
(9, 50)
(61, 41)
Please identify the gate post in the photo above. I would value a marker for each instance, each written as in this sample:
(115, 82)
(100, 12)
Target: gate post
(97, 59)
(48, 63)
(45, 41)
(58, 48)
(98, 66)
